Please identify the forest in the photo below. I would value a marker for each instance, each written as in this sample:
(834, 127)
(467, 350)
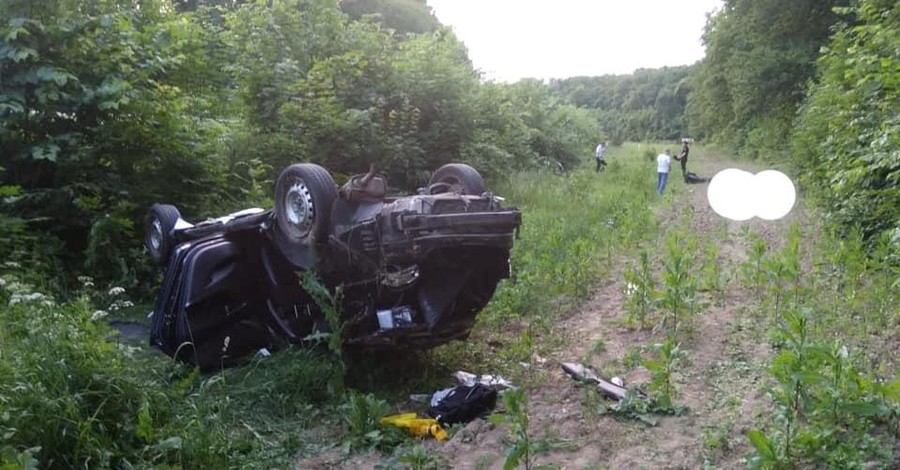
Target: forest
(110, 106)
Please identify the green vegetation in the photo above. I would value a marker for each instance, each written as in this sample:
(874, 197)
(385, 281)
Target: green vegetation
(834, 405)
(106, 108)
(847, 136)
(646, 105)
(760, 55)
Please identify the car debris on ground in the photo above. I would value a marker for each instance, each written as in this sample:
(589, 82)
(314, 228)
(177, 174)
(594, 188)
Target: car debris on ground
(613, 389)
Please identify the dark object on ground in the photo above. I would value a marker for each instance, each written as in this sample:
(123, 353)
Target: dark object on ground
(414, 271)
(584, 374)
(463, 404)
(692, 178)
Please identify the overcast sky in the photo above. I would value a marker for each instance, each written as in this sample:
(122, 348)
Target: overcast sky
(513, 39)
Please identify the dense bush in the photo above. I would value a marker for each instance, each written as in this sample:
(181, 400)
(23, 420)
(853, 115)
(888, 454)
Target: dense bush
(847, 139)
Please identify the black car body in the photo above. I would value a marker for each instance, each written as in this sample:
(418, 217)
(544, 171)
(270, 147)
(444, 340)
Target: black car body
(412, 272)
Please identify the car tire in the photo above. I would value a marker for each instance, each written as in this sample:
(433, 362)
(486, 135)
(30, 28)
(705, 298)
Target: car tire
(158, 235)
(461, 178)
(304, 194)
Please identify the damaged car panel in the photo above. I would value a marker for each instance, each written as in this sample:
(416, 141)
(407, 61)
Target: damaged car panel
(414, 271)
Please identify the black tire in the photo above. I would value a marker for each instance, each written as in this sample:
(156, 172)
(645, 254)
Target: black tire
(158, 235)
(461, 178)
(304, 194)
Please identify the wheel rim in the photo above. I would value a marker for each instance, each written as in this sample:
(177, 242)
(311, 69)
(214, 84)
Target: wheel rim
(455, 184)
(298, 208)
(156, 235)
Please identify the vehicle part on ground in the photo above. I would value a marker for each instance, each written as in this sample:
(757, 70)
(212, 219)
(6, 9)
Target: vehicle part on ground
(161, 223)
(607, 388)
(459, 178)
(414, 271)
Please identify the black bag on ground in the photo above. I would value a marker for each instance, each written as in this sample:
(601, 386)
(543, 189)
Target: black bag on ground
(463, 404)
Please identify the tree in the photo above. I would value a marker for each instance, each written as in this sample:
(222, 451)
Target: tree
(93, 128)
(648, 104)
(759, 56)
(847, 140)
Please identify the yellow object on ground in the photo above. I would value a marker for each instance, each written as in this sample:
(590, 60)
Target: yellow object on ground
(418, 427)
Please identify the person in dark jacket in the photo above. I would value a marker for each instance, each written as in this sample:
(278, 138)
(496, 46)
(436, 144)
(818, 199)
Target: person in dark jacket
(683, 157)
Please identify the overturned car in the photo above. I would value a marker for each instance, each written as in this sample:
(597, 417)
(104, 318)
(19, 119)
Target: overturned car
(413, 271)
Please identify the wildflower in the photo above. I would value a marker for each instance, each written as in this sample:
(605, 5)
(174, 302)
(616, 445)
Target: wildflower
(86, 281)
(116, 291)
(225, 344)
(18, 298)
(98, 314)
(843, 352)
(630, 289)
(12, 264)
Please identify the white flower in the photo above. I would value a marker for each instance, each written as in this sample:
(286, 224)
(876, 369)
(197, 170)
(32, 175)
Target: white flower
(630, 289)
(116, 291)
(843, 353)
(18, 298)
(98, 314)
(225, 343)
(12, 264)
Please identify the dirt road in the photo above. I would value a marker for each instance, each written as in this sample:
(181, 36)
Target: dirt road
(719, 379)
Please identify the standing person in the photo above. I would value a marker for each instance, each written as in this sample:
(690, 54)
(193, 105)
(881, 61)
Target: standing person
(663, 165)
(599, 153)
(683, 157)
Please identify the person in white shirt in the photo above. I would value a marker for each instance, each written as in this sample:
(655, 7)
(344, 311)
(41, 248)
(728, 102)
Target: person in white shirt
(599, 153)
(663, 165)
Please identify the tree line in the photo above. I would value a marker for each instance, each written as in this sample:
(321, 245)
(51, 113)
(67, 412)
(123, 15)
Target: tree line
(107, 106)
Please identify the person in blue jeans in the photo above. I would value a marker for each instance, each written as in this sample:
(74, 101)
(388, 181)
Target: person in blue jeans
(663, 165)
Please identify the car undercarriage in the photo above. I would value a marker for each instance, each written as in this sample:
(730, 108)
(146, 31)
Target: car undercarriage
(408, 272)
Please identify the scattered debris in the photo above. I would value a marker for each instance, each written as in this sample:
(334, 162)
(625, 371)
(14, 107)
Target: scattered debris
(614, 389)
(415, 426)
(463, 403)
(494, 381)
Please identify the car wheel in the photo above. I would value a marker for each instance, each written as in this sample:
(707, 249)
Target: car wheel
(158, 237)
(460, 177)
(304, 194)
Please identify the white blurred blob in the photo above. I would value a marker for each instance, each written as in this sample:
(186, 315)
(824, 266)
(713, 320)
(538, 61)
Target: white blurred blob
(739, 195)
(730, 194)
(776, 195)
